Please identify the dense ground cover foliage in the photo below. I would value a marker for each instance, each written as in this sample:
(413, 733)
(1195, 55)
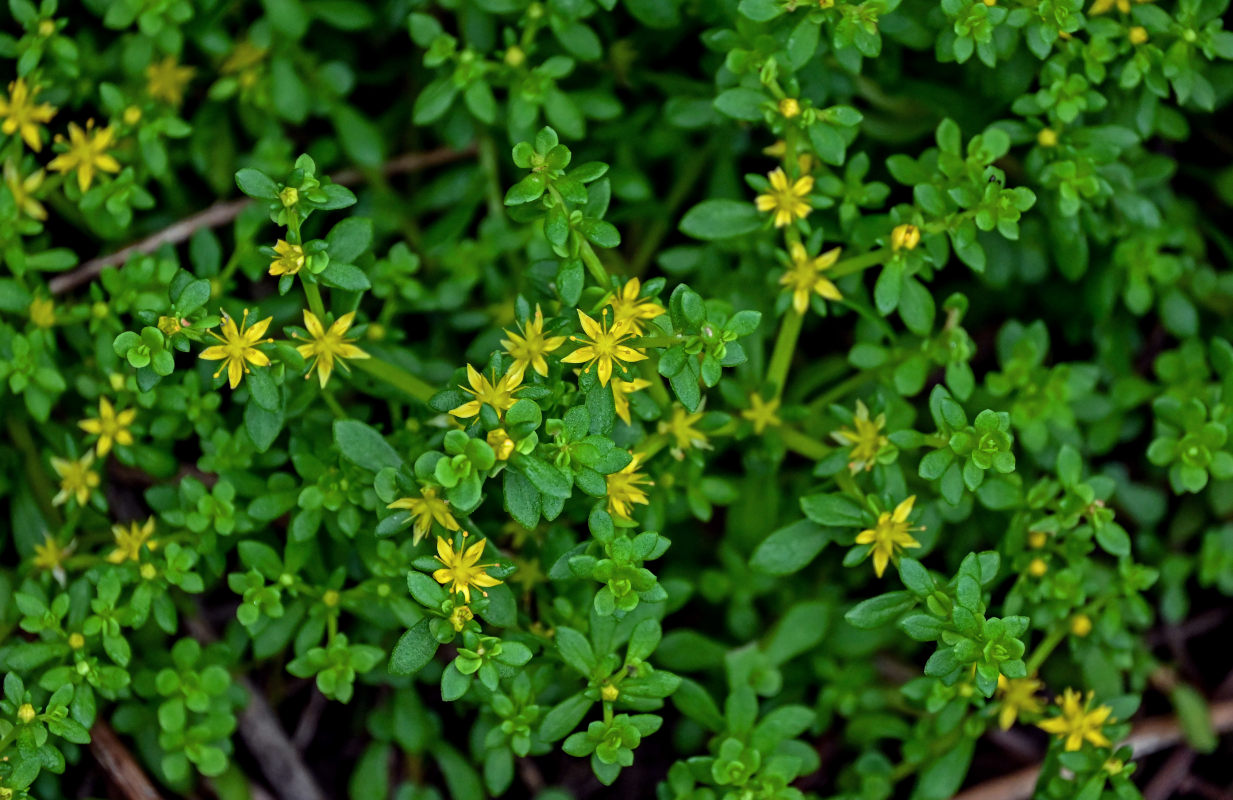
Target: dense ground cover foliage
(755, 399)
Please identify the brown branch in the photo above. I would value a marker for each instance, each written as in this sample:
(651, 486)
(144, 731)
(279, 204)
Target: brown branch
(1149, 736)
(1169, 778)
(225, 211)
(115, 759)
(306, 729)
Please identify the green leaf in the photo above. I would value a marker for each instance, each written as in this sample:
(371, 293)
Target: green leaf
(1195, 718)
(263, 426)
(522, 499)
(546, 478)
(576, 651)
(790, 549)
(696, 703)
(877, 611)
(434, 101)
(564, 717)
(261, 557)
(13, 297)
(915, 577)
(461, 779)
(255, 183)
(193, 296)
(414, 650)
(942, 777)
(363, 445)
(835, 510)
(1113, 539)
(349, 239)
(527, 190)
(264, 391)
(361, 140)
(741, 103)
(720, 219)
(644, 639)
(345, 276)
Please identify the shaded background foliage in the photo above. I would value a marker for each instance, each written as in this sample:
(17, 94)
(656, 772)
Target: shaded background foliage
(1116, 294)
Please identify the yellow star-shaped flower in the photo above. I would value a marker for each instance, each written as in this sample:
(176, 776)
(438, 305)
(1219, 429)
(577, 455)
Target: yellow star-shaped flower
(804, 277)
(460, 569)
(865, 438)
(762, 413)
(22, 115)
(621, 390)
(166, 80)
(625, 489)
(77, 480)
(130, 540)
(426, 509)
(786, 200)
(290, 259)
(327, 346)
(529, 348)
(890, 535)
(632, 310)
(1078, 721)
(1018, 695)
(86, 152)
(110, 426)
(499, 395)
(603, 347)
(238, 348)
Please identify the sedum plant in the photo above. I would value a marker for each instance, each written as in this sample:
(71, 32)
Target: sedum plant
(745, 400)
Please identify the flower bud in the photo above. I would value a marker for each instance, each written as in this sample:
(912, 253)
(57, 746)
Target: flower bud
(905, 237)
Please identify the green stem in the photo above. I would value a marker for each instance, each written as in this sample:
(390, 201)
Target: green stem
(785, 347)
(39, 482)
(687, 176)
(841, 389)
(789, 150)
(940, 746)
(397, 377)
(219, 284)
(801, 444)
(1045, 648)
(654, 341)
(594, 265)
(845, 481)
(314, 300)
(488, 162)
(659, 393)
(332, 402)
(847, 266)
(652, 445)
(1056, 636)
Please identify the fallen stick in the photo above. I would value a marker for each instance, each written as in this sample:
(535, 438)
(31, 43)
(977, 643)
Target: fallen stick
(225, 211)
(1149, 736)
(121, 768)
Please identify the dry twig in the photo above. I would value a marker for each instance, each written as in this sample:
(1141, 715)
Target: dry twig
(1149, 736)
(225, 211)
(115, 759)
